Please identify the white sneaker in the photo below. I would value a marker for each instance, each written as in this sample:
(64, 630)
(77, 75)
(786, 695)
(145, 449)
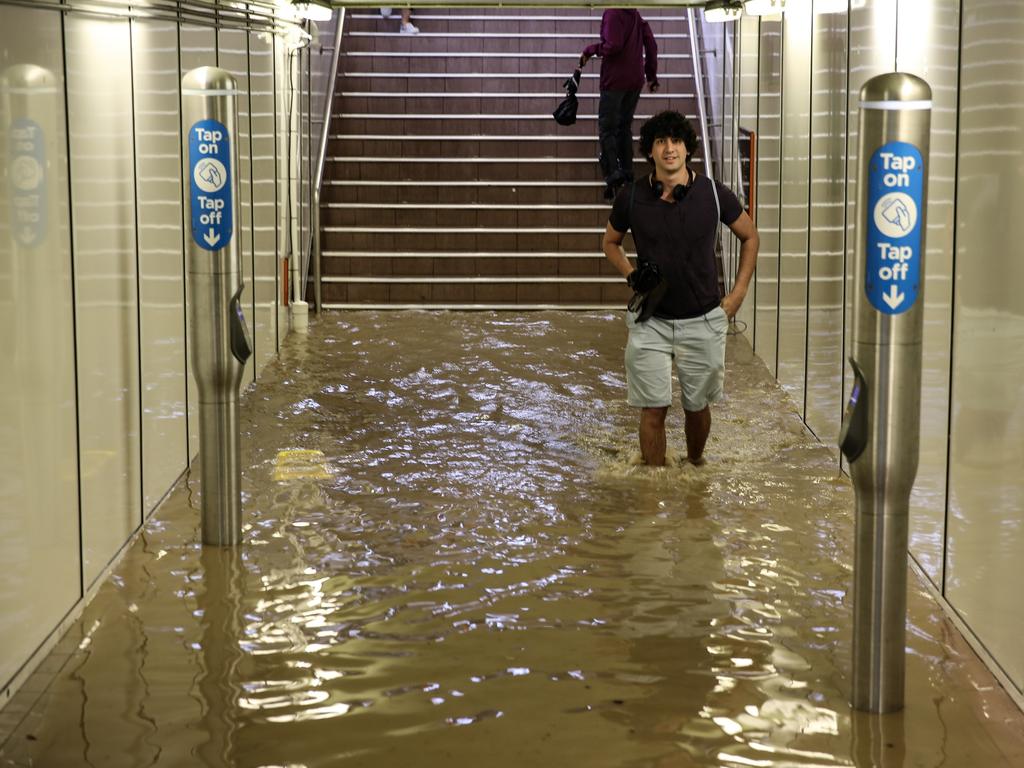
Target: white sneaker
(409, 29)
(385, 12)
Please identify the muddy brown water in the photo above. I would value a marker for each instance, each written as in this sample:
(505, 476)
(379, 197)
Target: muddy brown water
(479, 572)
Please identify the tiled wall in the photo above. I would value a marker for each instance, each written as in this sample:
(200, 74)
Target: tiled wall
(97, 400)
(797, 82)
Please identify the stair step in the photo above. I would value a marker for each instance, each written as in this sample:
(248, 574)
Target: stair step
(463, 208)
(552, 94)
(454, 279)
(586, 78)
(583, 36)
(428, 15)
(468, 230)
(445, 160)
(354, 56)
(457, 255)
(481, 307)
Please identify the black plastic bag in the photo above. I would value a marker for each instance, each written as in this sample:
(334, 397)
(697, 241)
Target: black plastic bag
(565, 113)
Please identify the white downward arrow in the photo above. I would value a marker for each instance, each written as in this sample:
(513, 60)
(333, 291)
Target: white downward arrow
(211, 237)
(893, 298)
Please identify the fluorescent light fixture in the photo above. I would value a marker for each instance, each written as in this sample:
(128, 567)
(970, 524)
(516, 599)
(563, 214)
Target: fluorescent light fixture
(313, 11)
(716, 13)
(763, 7)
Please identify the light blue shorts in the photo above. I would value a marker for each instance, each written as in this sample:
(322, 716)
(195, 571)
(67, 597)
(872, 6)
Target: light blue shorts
(696, 345)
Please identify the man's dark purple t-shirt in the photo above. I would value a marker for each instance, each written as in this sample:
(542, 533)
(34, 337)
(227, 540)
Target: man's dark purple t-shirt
(680, 238)
(627, 50)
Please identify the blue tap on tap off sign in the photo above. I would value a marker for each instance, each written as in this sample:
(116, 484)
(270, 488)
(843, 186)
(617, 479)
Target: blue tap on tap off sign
(892, 280)
(209, 153)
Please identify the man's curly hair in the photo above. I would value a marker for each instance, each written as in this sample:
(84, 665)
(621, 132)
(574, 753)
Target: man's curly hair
(668, 125)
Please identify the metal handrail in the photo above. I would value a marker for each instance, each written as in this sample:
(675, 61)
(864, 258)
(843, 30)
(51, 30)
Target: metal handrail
(734, 139)
(321, 160)
(698, 77)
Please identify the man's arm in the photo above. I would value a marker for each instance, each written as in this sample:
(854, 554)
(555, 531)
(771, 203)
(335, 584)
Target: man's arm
(613, 251)
(650, 58)
(613, 38)
(746, 232)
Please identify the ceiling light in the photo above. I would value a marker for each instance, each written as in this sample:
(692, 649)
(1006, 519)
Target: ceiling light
(721, 11)
(314, 11)
(763, 7)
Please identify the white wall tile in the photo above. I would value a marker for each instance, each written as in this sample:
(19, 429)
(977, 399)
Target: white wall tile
(986, 477)
(39, 525)
(106, 301)
(161, 269)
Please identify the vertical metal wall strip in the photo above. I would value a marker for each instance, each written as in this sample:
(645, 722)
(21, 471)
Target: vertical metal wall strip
(74, 307)
(846, 224)
(252, 205)
(782, 176)
(752, 167)
(216, 35)
(184, 265)
(810, 188)
(300, 169)
(138, 272)
(308, 199)
(952, 299)
(727, 141)
(896, 38)
(277, 202)
(737, 57)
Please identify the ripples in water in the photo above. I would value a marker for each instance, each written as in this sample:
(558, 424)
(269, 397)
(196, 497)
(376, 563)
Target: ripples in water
(484, 571)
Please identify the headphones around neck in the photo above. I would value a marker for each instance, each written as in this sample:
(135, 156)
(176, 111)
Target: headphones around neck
(678, 191)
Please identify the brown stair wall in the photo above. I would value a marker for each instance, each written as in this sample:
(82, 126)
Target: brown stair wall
(448, 190)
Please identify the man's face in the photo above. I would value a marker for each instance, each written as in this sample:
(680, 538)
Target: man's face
(669, 155)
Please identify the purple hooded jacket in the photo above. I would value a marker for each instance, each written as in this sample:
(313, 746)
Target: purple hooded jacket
(627, 50)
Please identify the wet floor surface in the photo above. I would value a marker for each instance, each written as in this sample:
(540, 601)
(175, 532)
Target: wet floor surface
(475, 569)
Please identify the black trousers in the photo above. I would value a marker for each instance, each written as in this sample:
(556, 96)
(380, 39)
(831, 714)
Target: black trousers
(615, 130)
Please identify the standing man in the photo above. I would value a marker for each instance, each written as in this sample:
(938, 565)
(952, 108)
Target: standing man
(673, 214)
(629, 55)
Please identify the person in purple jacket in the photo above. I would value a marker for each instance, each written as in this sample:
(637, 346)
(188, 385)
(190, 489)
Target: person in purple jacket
(629, 56)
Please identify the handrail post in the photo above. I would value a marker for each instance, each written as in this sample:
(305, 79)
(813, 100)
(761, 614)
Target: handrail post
(698, 76)
(322, 157)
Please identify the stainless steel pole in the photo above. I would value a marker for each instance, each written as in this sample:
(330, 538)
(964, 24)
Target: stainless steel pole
(881, 427)
(220, 339)
(325, 132)
(698, 79)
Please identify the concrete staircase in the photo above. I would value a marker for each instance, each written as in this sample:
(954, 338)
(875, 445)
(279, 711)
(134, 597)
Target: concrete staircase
(449, 185)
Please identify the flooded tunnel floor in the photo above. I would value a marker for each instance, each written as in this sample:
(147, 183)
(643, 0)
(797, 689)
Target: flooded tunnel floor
(474, 568)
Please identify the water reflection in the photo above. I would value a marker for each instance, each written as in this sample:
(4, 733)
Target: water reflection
(221, 587)
(484, 573)
(38, 499)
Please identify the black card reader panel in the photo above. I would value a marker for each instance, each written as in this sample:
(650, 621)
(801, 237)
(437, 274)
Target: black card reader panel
(241, 345)
(853, 437)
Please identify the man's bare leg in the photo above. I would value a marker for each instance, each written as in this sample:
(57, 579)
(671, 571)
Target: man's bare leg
(652, 436)
(697, 426)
